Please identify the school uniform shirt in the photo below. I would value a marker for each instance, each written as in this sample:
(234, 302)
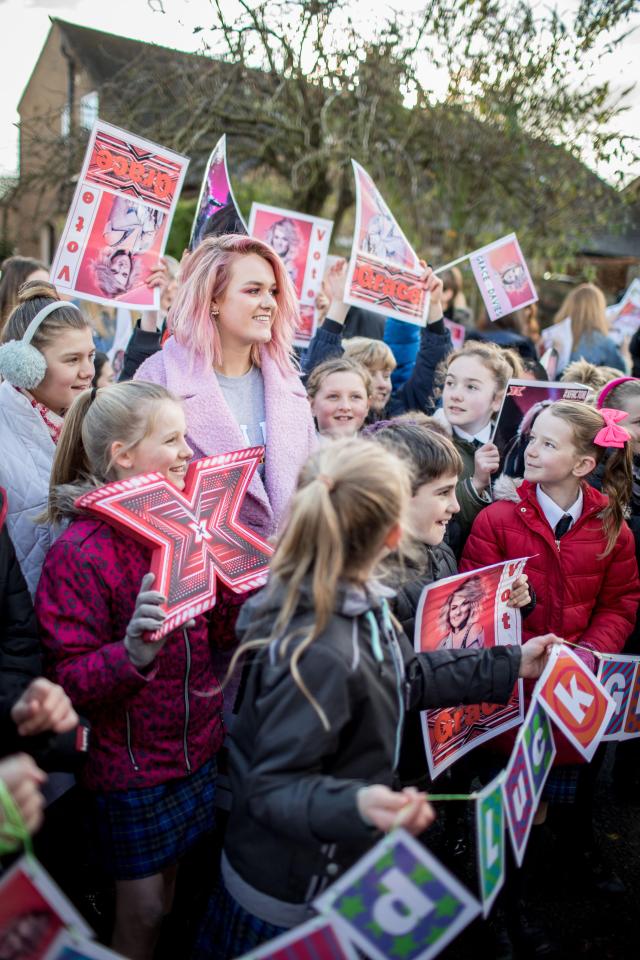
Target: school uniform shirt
(554, 514)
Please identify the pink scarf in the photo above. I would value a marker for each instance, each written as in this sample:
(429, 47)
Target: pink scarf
(52, 421)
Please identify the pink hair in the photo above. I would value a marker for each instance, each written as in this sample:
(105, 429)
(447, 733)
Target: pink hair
(205, 277)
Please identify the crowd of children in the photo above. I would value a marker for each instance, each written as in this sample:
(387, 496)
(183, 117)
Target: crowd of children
(380, 476)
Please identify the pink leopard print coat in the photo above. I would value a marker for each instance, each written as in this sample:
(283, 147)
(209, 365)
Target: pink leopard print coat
(146, 729)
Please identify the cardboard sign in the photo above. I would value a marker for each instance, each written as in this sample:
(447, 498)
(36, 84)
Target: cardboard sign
(302, 243)
(540, 747)
(119, 220)
(558, 338)
(626, 314)
(632, 718)
(384, 271)
(399, 901)
(575, 700)
(457, 331)
(503, 277)
(33, 912)
(490, 841)
(519, 800)
(316, 940)
(522, 402)
(217, 212)
(194, 534)
(468, 611)
(67, 947)
(617, 675)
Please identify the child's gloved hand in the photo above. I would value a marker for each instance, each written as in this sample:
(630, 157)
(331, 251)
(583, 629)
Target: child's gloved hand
(520, 593)
(23, 779)
(385, 809)
(147, 617)
(535, 653)
(487, 461)
(43, 706)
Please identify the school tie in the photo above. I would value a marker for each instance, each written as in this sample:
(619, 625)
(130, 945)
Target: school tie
(475, 443)
(563, 525)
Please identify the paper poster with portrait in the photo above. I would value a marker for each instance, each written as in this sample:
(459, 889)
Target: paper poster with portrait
(468, 612)
(625, 316)
(72, 947)
(503, 277)
(384, 271)
(522, 402)
(302, 243)
(558, 340)
(119, 220)
(33, 912)
(217, 211)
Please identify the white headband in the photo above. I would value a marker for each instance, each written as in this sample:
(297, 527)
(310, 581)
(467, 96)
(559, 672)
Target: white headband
(42, 314)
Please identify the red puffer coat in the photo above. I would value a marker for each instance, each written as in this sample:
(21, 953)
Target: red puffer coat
(582, 597)
(146, 728)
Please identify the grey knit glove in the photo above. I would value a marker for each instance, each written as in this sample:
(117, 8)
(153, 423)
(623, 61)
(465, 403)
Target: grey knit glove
(147, 617)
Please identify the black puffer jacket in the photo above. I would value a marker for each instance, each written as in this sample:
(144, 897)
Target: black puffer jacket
(19, 645)
(294, 824)
(437, 564)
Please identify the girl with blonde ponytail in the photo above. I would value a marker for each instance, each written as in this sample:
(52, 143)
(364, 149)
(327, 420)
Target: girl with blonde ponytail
(149, 780)
(316, 741)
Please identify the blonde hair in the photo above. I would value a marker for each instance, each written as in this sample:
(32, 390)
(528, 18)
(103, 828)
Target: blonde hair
(503, 365)
(581, 371)
(372, 354)
(336, 365)
(122, 411)
(473, 592)
(350, 494)
(585, 422)
(33, 296)
(586, 306)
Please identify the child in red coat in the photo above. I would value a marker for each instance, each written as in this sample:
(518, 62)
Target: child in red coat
(583, 566)
(150, 774)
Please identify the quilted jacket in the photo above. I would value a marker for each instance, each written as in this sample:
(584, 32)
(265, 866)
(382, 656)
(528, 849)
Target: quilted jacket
(212, 428)
(25, 468)
(148, 727)
(581, 596)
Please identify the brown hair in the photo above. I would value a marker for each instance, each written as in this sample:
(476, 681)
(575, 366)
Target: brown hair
(618, 396)
(586, 306)
(585, 422)
(121, 411)
(15, 271)
(350, 494)
(504, 365)
(428, 454)
(32, 297)
(581, 371)
(372, 354)
(336, 365)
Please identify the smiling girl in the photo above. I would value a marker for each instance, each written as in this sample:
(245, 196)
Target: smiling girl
(31, 419)
(230, 361)
(150, 774)
(339, 391)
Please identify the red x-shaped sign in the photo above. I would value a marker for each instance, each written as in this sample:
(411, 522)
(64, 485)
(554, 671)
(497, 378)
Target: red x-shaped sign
(194, 534)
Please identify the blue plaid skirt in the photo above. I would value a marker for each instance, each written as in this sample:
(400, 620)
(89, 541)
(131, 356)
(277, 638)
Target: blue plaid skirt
(137, 833)
(228, 931)
(562, 784)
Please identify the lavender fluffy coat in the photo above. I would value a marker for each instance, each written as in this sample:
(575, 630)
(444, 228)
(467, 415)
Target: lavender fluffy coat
(213, 429)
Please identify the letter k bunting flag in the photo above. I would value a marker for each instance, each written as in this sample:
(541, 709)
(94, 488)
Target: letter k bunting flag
(194, 534)
(575, 700)
(398, 902)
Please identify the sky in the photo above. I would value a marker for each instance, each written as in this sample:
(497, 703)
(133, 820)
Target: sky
(24, 25)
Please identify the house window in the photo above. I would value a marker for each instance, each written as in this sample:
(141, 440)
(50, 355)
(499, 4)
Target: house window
(89, 109)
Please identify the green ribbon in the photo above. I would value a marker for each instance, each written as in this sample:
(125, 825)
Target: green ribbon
(13, 831)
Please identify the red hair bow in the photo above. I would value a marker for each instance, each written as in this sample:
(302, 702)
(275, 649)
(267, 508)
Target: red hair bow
(611, 435)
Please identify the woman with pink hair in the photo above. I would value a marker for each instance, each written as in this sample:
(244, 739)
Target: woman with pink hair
(230, 360)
